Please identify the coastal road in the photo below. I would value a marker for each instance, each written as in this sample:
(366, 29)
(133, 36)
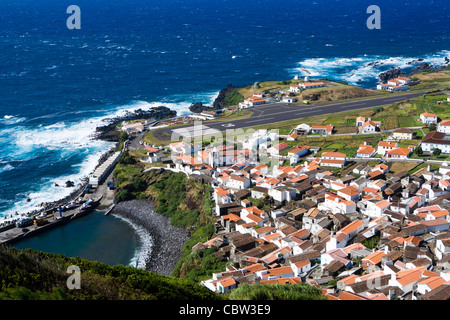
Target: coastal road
(277, 112)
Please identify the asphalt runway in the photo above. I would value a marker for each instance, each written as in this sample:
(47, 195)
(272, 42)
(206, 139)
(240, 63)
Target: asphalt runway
(272, 113)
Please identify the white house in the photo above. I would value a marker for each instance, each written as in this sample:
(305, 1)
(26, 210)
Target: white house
(426, 285)
(259, 137)
(428, 118)
(300, 267)
(406, 279)
(344, 235)
(295, 88)
(349, 193)
(337, 204)
(399, 153)
(276, 149)
(252, 101)
(382, 86)
(371, 126)
(435, 140)
(324, 130)
(299, 151)
(289, 100)
(442, 248)
(238, 182)
(275, 273)
(384, 146)
(181, 147)
(333, 159)
(403, 80)
(282, 193)
(219, 194)
(226, 285)
(398, 88)
(365, 151)
(444, 127)
(375, 209)
(261, 168)
(310, 85)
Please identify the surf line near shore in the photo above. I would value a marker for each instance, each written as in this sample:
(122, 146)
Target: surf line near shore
(144, 249)
(161, 243)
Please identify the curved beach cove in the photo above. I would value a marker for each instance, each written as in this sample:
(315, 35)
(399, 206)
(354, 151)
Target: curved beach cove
(165, 251)
(107, 239)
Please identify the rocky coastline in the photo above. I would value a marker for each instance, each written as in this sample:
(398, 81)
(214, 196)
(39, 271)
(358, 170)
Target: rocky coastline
(415, 66)
(108, 132)
(168, 240)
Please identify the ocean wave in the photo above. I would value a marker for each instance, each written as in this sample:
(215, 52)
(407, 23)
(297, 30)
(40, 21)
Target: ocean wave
(7, 167)
(365, 68)
(145, 244)
(72, 138)
(10, 119)
(49, 189)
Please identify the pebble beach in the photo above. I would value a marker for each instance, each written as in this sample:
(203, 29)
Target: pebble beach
(167, 239)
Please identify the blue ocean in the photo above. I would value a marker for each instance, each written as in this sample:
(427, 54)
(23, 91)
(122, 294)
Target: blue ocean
(58, 84)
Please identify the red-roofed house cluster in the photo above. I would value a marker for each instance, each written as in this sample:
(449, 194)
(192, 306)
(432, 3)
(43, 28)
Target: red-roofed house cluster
(369, 234)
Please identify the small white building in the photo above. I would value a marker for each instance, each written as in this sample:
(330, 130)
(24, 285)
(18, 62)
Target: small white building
(375, 209)
(310, 85)
(325, 130)
(238, 182)
(382, 86)
(428, 118)
(289, 100)
(435, 140)
(371, 126)
(444, 127)
(337, 204)
(365, 151)
(398, 88)
(333, 159)
(301, 267)
(181, 147)
(385, 146)
(295, 88)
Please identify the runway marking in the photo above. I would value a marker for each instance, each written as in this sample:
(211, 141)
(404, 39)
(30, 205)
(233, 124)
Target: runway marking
(259, 120)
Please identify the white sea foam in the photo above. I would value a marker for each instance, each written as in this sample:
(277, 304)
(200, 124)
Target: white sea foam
(74, 137)
(7, 167)
(365, 67)
(145, 244)
(10, 119)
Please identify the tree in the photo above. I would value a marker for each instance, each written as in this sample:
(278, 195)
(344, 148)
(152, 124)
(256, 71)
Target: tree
(378, 109)
(123, 136)
(419, 151)
(436, 152)
(432, 127)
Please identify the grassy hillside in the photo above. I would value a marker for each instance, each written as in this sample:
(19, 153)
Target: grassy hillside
(33, 275)
(276, 292)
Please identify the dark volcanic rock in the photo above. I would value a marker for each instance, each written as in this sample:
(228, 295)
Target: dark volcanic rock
(220, 102)
(69, 184)
(391, 74)
(108, 132)
(422, 66)
(197, 107)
